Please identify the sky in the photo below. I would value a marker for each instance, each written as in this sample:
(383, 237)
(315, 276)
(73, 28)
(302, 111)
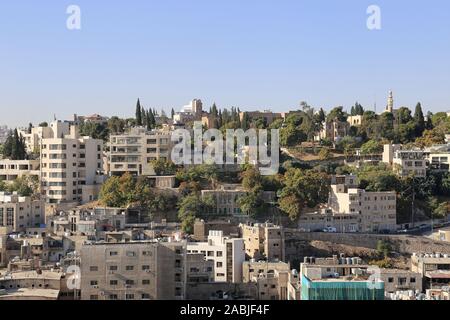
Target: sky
(252, 54)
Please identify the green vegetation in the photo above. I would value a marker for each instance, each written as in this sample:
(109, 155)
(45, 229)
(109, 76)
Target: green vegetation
(14, 147)
(128, 191)
(25, 186)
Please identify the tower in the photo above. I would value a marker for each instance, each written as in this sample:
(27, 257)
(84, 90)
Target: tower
(390, 105)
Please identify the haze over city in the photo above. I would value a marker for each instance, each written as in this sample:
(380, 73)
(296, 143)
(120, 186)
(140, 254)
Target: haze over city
(251, 55)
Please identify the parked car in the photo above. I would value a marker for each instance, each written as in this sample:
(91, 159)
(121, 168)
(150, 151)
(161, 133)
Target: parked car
(330, 230)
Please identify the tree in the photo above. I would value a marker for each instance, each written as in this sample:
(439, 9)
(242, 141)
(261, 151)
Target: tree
(337, 114)
(191, 206)
(325, 154)
(138, 113)
(419, 120)
(303, 188)
(371, 147)
(384, 248)
(14, 147)
(172, 114)
(164, 168)
(110, 193)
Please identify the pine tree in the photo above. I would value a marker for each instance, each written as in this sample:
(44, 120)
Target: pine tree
(138, 113)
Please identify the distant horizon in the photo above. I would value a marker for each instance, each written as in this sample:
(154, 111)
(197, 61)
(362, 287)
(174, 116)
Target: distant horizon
(253, 55)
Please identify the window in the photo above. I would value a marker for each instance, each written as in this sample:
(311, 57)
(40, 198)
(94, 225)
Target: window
(129, 268)
(93, 268)
(129, 296)
(145, 296)
(145, 267)
(113, 268)
(210, 253)
(131, 254)
(113, 297)
(219, 265)
(412, 280)
(94, 297)
(113, 282)
(145, 282)
(94, 283)
(147, 253)
(113, 253)
(129, 282)
(219, 254)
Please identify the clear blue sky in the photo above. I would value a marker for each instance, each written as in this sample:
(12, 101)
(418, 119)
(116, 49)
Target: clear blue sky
(245, 53)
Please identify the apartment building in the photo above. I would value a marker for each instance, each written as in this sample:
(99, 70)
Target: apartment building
(405, 162)
(272, 279)
(438, 158)
(226, 199)
(326, 219)
(132, 152)
(355, 121)
(377, 210)
(33, 138)
(433, 267)
(19, 213)
(198, 269)
(401, 280)
(263, 241)
(10, 170)
(228, 255)
(133, 271)
(71, 165)
(338, 279)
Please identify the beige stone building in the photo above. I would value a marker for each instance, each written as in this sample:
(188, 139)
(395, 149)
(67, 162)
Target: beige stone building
(401, 280)
(405, 162)
(71, 165)
(263, 241)
(226, 199)
(377, 210)
(10, 170)
(333, 131)
(19, 213)
(133, 271)
(132, 152)
(433, 267)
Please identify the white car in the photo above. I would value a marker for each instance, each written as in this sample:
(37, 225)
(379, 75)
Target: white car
(330, 230)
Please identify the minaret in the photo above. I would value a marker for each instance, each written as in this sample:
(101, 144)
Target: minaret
(390, 105)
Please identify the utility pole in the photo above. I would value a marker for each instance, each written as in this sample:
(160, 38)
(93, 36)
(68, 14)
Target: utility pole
(413, 207)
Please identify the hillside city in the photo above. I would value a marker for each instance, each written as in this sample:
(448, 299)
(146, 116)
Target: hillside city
(94, 208)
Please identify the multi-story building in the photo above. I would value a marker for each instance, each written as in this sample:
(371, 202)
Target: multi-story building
(198, 269)
(401, 280)
(19, 213)
(133, 271)
(226, 199)
(71, 165)
(263, 241)
(191, 112)
(326, 219)
(10, 170)
(434, 269)
(333, 130)
(438, 158)
(267, 116)
(271, 277)
(377, 210)
(355, 121)
(406, 162)
(339, 279)
(33, 138)
(228, 255)
(134, 151)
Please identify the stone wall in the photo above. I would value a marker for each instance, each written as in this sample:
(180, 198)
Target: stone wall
(297, 243)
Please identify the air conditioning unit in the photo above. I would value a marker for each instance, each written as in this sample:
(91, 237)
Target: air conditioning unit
(95, 287)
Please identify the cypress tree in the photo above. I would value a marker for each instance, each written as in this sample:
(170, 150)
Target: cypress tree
(419, 120)
(138, 113)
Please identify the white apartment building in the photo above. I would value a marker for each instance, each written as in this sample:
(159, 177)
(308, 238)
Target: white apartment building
(377, 210)
(71, 165)
(10, 170)
(34, 138)
(405, 162)
(228, 255)
(133, 151)
(18, 213)
(438, 157)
